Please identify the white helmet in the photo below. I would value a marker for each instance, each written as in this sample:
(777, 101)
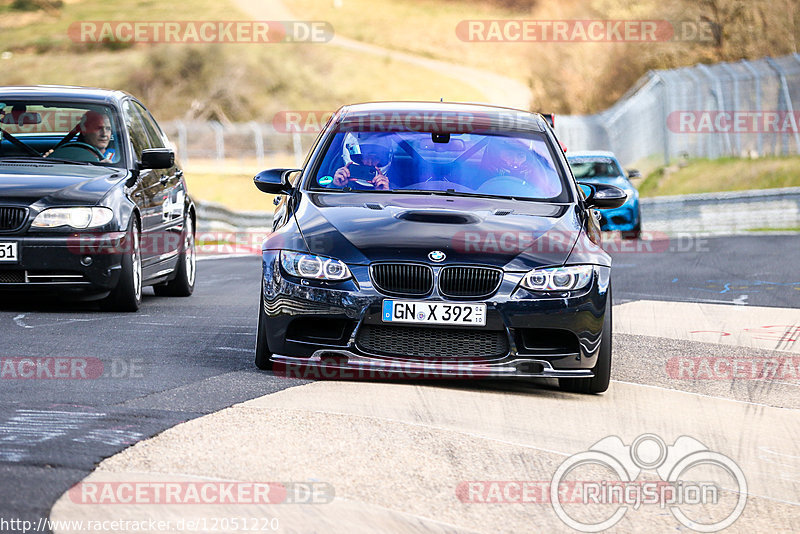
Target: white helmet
(377, 146)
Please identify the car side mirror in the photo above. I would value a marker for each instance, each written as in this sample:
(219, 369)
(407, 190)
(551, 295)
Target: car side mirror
(634, 173)
(157, 158)
(603, 196)
(274, 181)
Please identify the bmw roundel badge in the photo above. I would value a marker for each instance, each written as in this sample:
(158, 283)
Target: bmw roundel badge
(436, 255)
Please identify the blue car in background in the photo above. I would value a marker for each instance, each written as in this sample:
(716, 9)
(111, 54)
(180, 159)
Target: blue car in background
(602, 167)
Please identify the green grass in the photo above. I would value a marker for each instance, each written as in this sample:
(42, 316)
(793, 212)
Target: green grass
(726, 174)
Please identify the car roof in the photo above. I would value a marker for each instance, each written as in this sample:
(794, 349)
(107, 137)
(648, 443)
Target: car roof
(592, 154)
(62, 92)
(460, 114)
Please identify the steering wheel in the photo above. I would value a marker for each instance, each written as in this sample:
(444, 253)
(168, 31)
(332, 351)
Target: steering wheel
(85, 146)
(502, 180)
(363, 183)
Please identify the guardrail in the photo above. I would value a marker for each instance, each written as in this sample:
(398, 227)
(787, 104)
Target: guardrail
(723, 213)
(707, 213)
(213, 217)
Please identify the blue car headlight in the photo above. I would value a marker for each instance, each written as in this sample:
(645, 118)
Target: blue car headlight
(314, 267)
(567, 278)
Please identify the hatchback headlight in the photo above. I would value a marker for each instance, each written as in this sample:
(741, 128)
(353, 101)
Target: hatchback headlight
(567, 278)
(313, 266)
(73, 217)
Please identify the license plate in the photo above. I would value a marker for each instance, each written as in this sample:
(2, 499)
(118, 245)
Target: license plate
(411, 311)
(8, 252)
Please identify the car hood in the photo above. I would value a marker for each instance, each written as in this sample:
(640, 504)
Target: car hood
(46, 184)
(362, 228)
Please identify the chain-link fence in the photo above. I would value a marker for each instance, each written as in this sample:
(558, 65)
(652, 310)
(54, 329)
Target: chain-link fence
(250, 141)
(727, 109)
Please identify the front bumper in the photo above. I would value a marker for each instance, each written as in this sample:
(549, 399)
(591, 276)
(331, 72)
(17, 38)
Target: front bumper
(622, 219)
(312, 325)
(60, 263)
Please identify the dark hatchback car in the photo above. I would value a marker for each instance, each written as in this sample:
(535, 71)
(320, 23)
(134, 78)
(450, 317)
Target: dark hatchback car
(438, 240)
(92, 203)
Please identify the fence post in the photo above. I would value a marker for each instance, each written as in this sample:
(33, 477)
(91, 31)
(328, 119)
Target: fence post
(718, 98)
(298, 149)
(727, 68)
(757, 78)
(183, 147)
(788, 100)
(258, 138)
(219, 136)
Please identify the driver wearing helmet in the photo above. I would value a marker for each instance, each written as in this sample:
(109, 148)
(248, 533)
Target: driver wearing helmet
(367, 159)
(516, 158)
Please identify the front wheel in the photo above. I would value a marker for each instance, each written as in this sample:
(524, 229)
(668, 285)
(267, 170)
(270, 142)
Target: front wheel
(127, 296)
(602, 369)
(263, 354)
(185, 271)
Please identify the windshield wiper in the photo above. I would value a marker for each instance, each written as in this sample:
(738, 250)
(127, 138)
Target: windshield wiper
(454, 193)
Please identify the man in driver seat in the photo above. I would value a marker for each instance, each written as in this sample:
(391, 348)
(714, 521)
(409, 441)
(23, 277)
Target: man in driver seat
(367, 159)
(96, 131)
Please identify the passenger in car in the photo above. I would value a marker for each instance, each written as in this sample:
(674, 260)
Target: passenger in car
(367, 160)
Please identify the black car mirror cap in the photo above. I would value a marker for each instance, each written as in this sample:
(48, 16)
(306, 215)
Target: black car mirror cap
(274, 181)
(157, 158)
(603, 196)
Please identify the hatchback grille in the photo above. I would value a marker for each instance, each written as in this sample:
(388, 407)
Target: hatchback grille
(402, 278)
(12, 218)
(417, 342)
(473, 282)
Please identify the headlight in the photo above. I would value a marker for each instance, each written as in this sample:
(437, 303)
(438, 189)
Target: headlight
(312, 266)
(567, 278)
(73, 217)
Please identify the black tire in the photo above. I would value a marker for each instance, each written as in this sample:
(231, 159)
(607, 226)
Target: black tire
(602, 369)
(263, 354)
(186, 269)
(127, 296)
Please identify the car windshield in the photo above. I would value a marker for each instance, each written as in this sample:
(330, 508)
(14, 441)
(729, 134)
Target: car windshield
(60, 131)
(515, 165)
(594, 167)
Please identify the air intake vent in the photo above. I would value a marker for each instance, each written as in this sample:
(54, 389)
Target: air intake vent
(440, 217)
(402, 278)
(469, 282)
(501, 212)
(12, 218)
(433, 343)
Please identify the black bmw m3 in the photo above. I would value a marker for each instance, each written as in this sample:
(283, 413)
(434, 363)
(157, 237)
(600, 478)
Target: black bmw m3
(439, 240)
(92, 202)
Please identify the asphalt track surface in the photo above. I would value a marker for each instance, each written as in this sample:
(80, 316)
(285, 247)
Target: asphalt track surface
(179, 359)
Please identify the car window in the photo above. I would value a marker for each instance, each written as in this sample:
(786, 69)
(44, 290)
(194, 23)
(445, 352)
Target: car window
(154, 133)
(80, 132)
(594, 167)
(136, 130)
(518, 165)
